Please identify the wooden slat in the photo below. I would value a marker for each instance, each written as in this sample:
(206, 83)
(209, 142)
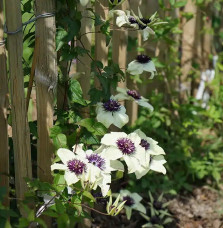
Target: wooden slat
(119, 45)
(46, 79)
(101, 51)
(20, 129)
(84, 63)
(4, 153)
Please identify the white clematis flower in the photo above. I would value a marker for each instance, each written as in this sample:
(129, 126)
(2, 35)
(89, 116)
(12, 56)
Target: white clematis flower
(111, 112)
(156, 164)
(132, 202)
(133, 95)
(140, 64)
(75, 167)
(84, 2)
(100, 168)
(127, 147)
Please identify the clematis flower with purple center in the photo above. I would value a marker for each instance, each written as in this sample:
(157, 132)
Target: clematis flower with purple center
(154, 155)
(75, 167)
(132, 202)
(111, 112)
(99, 167)
(133, 95)
(140, 64)
(119, 145)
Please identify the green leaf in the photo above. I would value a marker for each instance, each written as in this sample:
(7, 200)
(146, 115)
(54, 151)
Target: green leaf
(59, 206)
(89, 196)
(93, 126)
(60, 141)
(63, 221)
(179, 4)
(54, 131)
(172, 2)
(75, 93)
(60, 38)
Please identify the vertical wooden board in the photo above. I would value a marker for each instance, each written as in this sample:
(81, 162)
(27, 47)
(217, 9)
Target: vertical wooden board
(20, 129)
(4, 153)
(119, 45)
(46, 80)
(188, 41)
(101, 51)
(84, 63)
(132, 107)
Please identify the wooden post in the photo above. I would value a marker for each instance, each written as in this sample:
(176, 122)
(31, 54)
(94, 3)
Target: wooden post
(101, 51)
(132, 107)
(4, 153)
(188, 41)
(46, 79)
(84, 63)
(119, 46)
(20, 129)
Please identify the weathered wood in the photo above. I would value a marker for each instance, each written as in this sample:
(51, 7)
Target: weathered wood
(119, 46)
(132, 107)
(188, 42)
(20, 129)
(101, 51)
(4, 153)
(46, 80)
(84, 63)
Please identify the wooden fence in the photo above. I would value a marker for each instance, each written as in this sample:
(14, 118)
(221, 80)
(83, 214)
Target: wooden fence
(45, 67)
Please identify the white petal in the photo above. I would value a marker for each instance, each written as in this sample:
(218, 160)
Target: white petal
(135, 138)
(135, 67)
(120, 119)
(121, 97)
(70, 178)
(137, 198)
(84, 2)
(149, 67)
(112, 153)
(117, 165)
(58, 166)
(140, 207)
(105, 118)
(65, 155)
(141, 171)
(157, 164)
(140, 133)
(122, 90)
(111, 138)
(145, 104)
(132, 163)
(122, 20)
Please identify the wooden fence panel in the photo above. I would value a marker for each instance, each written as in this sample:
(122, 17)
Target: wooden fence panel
(101, 51)
(20, 129)
(4, 153)
(46, 80)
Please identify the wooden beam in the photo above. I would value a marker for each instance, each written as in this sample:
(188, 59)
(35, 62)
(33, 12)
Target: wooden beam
(20, 128)
(101, 51)
(46, 80)
(4, 152)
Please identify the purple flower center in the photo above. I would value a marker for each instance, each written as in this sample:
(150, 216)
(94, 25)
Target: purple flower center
(134, 94)
(126, 146)
(145, 21)
(76, 166)
(143, 59)
(129, 201)
(97, 160)
(144, 144)
(132, 20)
(111, 106)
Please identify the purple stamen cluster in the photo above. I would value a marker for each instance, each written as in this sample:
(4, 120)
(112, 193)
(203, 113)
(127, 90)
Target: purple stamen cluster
(143, 59)
(144, 144)
(97, 160)
(132, 20)
(134, 94)
(126, 146)
(145, 21)
(112, 106)
(129, 201)
(76, 166)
